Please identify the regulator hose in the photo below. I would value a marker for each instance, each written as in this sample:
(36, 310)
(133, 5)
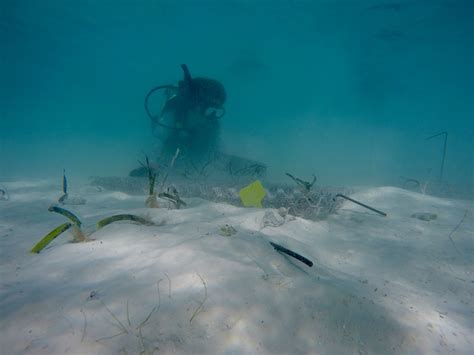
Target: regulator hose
(147, 109)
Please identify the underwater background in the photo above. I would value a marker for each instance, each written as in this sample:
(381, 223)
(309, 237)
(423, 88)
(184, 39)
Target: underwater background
(347, 90)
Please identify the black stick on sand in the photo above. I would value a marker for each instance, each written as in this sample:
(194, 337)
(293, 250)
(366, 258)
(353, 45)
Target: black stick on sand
(445, 134)
(292, 253)
(361, 204)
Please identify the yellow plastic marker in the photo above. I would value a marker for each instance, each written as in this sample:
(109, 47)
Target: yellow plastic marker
(253, 194)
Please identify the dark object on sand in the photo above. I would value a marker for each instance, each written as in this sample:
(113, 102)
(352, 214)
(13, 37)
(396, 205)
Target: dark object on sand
(292, 254)
(445, 134)
(424, 216)
(123, 217)
(361, 204)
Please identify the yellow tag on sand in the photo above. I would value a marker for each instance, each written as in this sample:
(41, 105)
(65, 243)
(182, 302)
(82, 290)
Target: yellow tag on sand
(253, 194)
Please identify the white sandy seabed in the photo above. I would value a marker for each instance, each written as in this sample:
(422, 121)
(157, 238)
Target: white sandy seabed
(379, 285)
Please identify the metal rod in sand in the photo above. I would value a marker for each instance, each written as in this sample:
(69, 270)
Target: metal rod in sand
(445, 134)
(362, 204)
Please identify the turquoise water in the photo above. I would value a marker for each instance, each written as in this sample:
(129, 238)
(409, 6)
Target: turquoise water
(347, 90)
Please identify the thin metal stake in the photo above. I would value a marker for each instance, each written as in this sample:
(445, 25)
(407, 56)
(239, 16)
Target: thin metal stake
(444, 151)
(361, 204)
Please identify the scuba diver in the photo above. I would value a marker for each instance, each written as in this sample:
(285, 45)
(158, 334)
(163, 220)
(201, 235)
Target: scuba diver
(189, 118)
(189, 121)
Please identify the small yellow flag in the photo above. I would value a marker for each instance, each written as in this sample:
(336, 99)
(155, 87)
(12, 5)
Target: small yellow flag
(253, 194)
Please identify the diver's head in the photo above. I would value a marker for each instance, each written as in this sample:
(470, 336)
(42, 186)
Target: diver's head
(210, 96)
(203, 92)
(209, 92)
